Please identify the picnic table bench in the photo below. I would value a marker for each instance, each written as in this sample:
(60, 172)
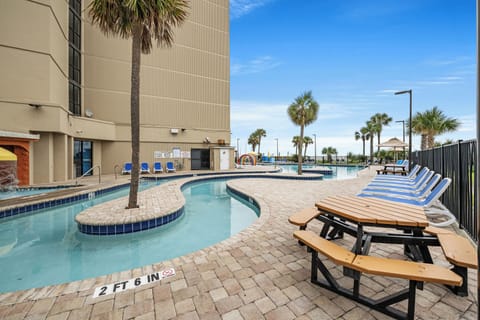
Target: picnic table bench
(415, 272)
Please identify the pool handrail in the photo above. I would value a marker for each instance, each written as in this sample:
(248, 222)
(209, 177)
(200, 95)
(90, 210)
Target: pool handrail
(88, 171)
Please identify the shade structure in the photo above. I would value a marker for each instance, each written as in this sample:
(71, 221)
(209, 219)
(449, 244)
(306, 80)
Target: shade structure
(395, 143)
(6, 155)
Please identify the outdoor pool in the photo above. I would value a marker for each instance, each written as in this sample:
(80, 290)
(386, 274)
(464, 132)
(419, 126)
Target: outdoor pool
(46, 247)
(338, 172)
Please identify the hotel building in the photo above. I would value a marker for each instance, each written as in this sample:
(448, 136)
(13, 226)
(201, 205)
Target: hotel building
(65, 92)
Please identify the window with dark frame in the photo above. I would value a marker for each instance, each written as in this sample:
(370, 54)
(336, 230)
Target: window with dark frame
(74, 56)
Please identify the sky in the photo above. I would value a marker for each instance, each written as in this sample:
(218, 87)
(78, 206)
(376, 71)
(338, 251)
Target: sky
(353, 55)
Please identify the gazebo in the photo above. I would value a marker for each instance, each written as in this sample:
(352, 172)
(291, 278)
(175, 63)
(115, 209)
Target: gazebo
(394, 143)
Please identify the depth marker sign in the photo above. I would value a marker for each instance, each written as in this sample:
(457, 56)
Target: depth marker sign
(132, 283)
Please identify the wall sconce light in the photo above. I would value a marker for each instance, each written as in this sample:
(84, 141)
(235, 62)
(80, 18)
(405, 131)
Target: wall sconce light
(206, 140)
(79, 131)
(35, 105)
(183, 129)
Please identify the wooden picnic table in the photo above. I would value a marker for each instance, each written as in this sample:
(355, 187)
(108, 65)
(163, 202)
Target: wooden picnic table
(351, 214)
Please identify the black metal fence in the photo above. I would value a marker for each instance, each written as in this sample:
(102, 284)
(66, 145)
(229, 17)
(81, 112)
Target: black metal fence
(456, 161)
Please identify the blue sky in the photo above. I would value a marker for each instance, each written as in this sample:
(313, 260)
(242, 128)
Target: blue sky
(352, 55)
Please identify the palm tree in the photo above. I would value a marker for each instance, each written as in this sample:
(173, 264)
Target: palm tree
(303, 111)
(260, 133)
(364, 135)
(296, 141)
(380, 120)
(432, 123)
(371, 129)
(253, 140)
(306, 141)
(329, 151)
(141, 21)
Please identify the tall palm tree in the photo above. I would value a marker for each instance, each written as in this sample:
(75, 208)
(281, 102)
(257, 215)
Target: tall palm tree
(260, 133)
(380, 120)
(364, 135)
(253, 140)
(432, 123)
(303, 111)
(306, 141)
(329, 151)
(296, 141)
(142, 21)
(371, 129)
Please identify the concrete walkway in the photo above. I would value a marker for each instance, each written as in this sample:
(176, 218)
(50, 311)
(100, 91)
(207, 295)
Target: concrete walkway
(260, 273)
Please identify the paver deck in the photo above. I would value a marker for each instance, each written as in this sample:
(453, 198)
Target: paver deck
(260, 273)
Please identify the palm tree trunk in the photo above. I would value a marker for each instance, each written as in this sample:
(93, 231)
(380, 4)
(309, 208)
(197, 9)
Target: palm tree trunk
(430, 141)
(300, 145)
(363, 149)
(135, 117)
(305, 152)
(371, 150)
(378, 139)
(424, 142)
(259, 140)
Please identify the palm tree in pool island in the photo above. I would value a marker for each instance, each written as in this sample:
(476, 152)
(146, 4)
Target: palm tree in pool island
(303, 111)
(141, 21)
(432, 123)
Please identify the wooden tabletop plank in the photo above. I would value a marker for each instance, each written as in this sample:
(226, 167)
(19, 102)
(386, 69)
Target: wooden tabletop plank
(371, 210)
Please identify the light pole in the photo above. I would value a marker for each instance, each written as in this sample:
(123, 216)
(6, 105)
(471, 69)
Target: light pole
(315, 148)
(238, 150)
(409, 127)
(403, 123)
(277, 153)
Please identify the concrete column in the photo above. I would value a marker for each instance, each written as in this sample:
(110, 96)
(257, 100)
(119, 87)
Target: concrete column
(43, 159)
(60, 146)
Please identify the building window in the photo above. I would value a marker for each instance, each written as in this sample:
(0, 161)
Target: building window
(74, 56)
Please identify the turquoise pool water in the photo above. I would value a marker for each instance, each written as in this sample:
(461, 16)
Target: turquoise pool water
(46, 248)
(23, 192)
(338, 172)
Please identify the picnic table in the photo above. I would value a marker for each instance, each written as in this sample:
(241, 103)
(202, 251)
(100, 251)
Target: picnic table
(393, 168)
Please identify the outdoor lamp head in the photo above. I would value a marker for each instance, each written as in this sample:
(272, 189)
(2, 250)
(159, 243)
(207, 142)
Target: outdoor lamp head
(402, 92)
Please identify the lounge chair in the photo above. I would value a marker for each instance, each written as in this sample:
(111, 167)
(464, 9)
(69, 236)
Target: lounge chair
(410, 176)
(127, 168)
(420, 193)
(170, 167)
(431, 204)
(416, 183)
(144, 168)
(157, 167)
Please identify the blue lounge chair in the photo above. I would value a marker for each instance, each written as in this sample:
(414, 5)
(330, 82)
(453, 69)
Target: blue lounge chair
(411, 176)
(157, 167)
(420, 193)
(419, 180)
(170, 167)
(144, 168)
(127, 168)
(431, 204)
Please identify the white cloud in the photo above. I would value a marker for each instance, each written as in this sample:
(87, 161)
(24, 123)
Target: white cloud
(257, 65)
(240, 8)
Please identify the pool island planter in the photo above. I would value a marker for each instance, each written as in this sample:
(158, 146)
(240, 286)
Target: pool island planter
(112, 218)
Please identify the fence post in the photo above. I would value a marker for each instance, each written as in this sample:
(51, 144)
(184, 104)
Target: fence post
(460, 214)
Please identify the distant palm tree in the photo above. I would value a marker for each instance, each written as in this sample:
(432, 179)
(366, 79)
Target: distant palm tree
(329, 151)
(371, 129)
(380, 120)
(432, 123)
(253, 140)
(364, 135)
(296, 141)
(303, 111)
(260, 133)
(141, 21)
(306, 141)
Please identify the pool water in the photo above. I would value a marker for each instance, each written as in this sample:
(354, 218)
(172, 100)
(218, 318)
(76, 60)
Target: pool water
(338, 172)
(23, 192)
(46, 248)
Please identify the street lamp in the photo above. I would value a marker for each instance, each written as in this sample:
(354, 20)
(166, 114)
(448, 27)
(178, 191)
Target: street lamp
(403, 123)
(315, 146)
(238, 151)
(277, 153)
(409, 127)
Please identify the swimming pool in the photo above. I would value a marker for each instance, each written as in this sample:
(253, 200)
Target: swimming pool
(46, 248)
(338, 172)
(24, 192)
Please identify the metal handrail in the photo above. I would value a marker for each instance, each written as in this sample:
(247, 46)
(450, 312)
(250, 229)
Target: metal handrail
(115, 171)
(88, 171)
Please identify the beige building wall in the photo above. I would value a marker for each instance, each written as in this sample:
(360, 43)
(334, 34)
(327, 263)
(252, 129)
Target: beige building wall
(185, 88)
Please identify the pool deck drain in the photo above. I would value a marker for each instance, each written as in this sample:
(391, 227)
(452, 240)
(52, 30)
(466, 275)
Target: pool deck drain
(260, 273)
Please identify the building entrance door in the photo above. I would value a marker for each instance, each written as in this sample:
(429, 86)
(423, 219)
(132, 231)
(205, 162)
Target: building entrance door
(200, 159)
(224, 159)
(82, 157)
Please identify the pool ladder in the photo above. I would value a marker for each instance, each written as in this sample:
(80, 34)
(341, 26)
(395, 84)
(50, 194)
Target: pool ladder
(90, 170)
